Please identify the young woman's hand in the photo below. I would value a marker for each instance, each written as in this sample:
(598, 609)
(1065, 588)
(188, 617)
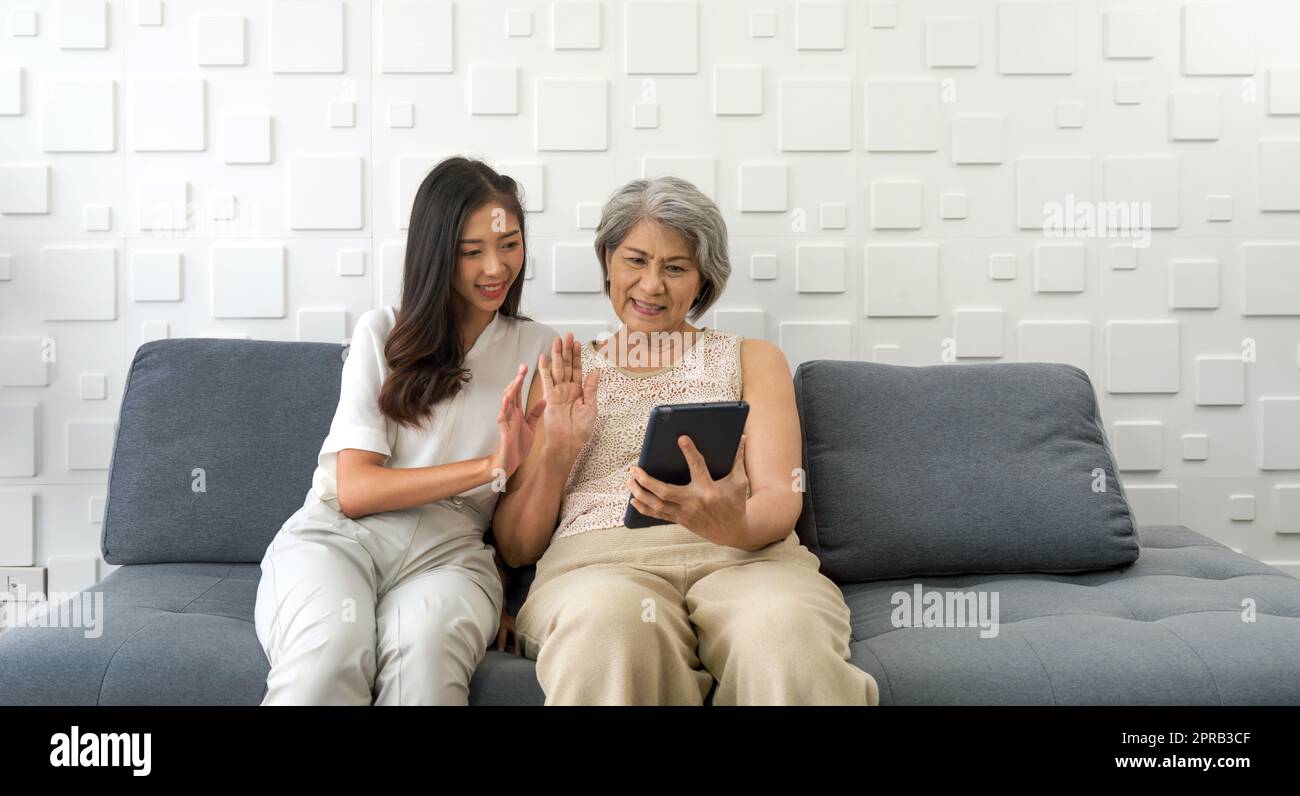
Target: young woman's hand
(715, 510)
(570, 399)
(514, 429)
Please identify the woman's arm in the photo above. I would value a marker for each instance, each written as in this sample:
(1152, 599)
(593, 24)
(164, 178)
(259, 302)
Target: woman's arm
(527, 514)
(366, 486)
(774, 443)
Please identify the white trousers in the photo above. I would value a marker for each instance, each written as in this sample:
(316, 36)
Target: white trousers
(394, 608)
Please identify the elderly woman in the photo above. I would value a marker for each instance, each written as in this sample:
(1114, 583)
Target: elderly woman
(726, 591)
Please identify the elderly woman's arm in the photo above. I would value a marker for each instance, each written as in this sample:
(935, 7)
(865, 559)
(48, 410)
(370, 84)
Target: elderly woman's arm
(774, 443)
(526, 515)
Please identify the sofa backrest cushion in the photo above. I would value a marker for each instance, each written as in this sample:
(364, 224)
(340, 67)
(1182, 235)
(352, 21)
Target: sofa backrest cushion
(951, 469)
(216, 446)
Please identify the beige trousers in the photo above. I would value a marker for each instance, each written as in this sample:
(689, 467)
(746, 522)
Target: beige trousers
(651, 616)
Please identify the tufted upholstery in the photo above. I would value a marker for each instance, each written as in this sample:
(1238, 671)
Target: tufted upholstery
(1165, 630)
(182, 634)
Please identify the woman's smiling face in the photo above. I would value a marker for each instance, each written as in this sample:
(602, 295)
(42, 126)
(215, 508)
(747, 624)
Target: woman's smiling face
(490, 259)
(653, 279)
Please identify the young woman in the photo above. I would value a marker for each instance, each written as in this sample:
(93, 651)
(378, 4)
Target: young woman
(380, 588)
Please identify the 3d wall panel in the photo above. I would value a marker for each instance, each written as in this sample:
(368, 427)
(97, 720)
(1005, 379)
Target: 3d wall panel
(1112, 184)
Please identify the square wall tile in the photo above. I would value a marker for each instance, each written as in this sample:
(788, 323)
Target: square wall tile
(156, 276)
(1220, 380)
(1196, 447)
(1268, 279)
(1060, 267)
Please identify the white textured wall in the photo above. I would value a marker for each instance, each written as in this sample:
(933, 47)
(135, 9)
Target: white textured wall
(883, 168)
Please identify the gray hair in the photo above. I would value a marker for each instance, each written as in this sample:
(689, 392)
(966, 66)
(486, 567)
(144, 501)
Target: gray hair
(677, 205)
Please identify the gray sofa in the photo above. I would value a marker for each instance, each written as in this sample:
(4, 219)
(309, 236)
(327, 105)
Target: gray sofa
(957, 478)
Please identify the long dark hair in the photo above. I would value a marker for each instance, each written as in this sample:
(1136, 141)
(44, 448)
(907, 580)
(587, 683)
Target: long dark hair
(424, 350)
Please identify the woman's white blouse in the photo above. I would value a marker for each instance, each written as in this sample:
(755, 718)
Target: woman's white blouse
(461, 427)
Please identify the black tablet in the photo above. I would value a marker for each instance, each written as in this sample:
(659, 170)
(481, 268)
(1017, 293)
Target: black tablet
(715, 429)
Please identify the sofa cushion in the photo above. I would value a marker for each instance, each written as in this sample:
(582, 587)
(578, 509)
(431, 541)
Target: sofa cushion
(182, 634)
(171, 634)
(1171, 629)
(951, 469)
(216, 446)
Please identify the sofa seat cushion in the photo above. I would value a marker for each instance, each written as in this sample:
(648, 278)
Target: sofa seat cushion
(1166, 630)
(180, 634)
(171, 634)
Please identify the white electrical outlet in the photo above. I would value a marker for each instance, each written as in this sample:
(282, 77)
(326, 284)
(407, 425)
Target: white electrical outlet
(23, 582)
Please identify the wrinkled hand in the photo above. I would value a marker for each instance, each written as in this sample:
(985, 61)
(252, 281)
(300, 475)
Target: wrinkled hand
(570, 399)
(514, 428)
(712, 509)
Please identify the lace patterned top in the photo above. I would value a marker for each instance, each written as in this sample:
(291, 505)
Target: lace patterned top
(595, 495)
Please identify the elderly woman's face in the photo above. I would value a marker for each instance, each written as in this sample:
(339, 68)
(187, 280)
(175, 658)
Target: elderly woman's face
(653, 279)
